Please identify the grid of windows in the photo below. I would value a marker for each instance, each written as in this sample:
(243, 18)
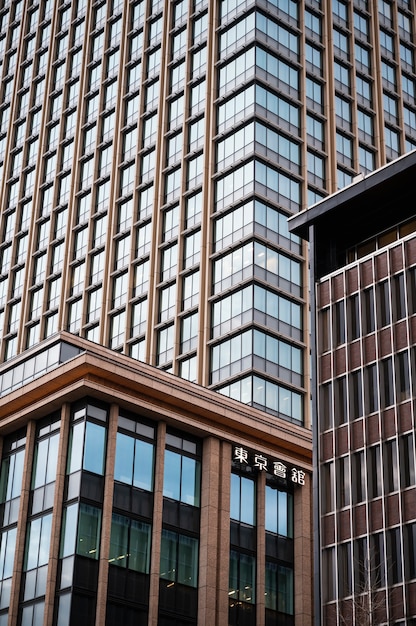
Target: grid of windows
(124, 170)
(371, 392)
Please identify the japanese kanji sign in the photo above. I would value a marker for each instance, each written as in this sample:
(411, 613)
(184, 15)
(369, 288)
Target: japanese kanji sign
(262, 463)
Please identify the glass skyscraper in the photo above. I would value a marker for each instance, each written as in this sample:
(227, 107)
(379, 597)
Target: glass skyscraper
(150, 155)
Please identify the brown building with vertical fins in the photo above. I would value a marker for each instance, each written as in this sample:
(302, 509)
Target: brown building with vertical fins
(363, 255)
(130, 496)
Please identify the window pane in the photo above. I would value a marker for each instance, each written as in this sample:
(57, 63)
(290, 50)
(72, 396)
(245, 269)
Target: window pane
(119, 541)
(188, 561)
(94, 448)
(123, 470)
(89, 528)
(190, 481)
(143, 465)
(172, 474)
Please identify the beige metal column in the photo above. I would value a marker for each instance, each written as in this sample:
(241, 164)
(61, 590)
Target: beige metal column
(261, 550)
(210, 530)
(21, 524)
(57, 515)
(157, 527)
(223, 545)
(107, 517)
(302, 536)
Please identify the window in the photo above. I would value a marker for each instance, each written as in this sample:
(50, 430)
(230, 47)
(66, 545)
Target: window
(7, 551)
(394, 555)
(120, 290)
(179, 558)
(197, 98)
(364, 91)
(190, 290)
(279, 589)
(81, 530)
(243, 499)
(338, 322)
(314, 94)
(242, 578)
(169, 258)
(371, 389)
(236, 354)
(44, 466)
(344, 148)
(87, 442)
(340, 408)
(341, 42)
(139, 317)
(165, 345)
(383, 304)
(313, 56)
(358, 483)
(279, 512)
(37, 555)
(366, 159)
(134, 454)
(189, 332)
(374, 471)
(141, 278)
(315, 130)
(192, 249)
(353, 317)
(355, 395)
(313, 23)
(11, 477)
(407, 460)
(182, 471)
(343, 112)
(130, 544)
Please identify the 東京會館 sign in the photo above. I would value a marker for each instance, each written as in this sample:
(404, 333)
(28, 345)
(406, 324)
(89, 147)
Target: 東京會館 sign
(262, 463)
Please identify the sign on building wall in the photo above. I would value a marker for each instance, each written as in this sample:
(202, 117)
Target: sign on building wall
(262, 463)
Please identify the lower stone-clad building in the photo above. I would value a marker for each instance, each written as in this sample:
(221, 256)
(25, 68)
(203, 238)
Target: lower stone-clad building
(130, 496)
(363, 243)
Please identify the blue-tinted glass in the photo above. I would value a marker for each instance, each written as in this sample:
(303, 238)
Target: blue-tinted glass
(46, 456)
(45, 539)
(172, 475)
(64, 609)
(247, 578)
(38, 541)
(119, 541)
(94, 448)
(7, 548)
(187, 561)
(168, 555)
(143, 465)
(123, 469)
(247, 501)
(271, 509)
(139, 549)
(76, 446)
(69, 530)
(282, 511)
(271, 586)
(190, 481)
(11, 476)
(235, 497)
(89, 529)
(285, 587)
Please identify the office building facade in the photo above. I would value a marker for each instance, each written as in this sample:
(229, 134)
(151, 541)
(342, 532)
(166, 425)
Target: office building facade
(364, 433)
(131, 496)
(150, 155)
